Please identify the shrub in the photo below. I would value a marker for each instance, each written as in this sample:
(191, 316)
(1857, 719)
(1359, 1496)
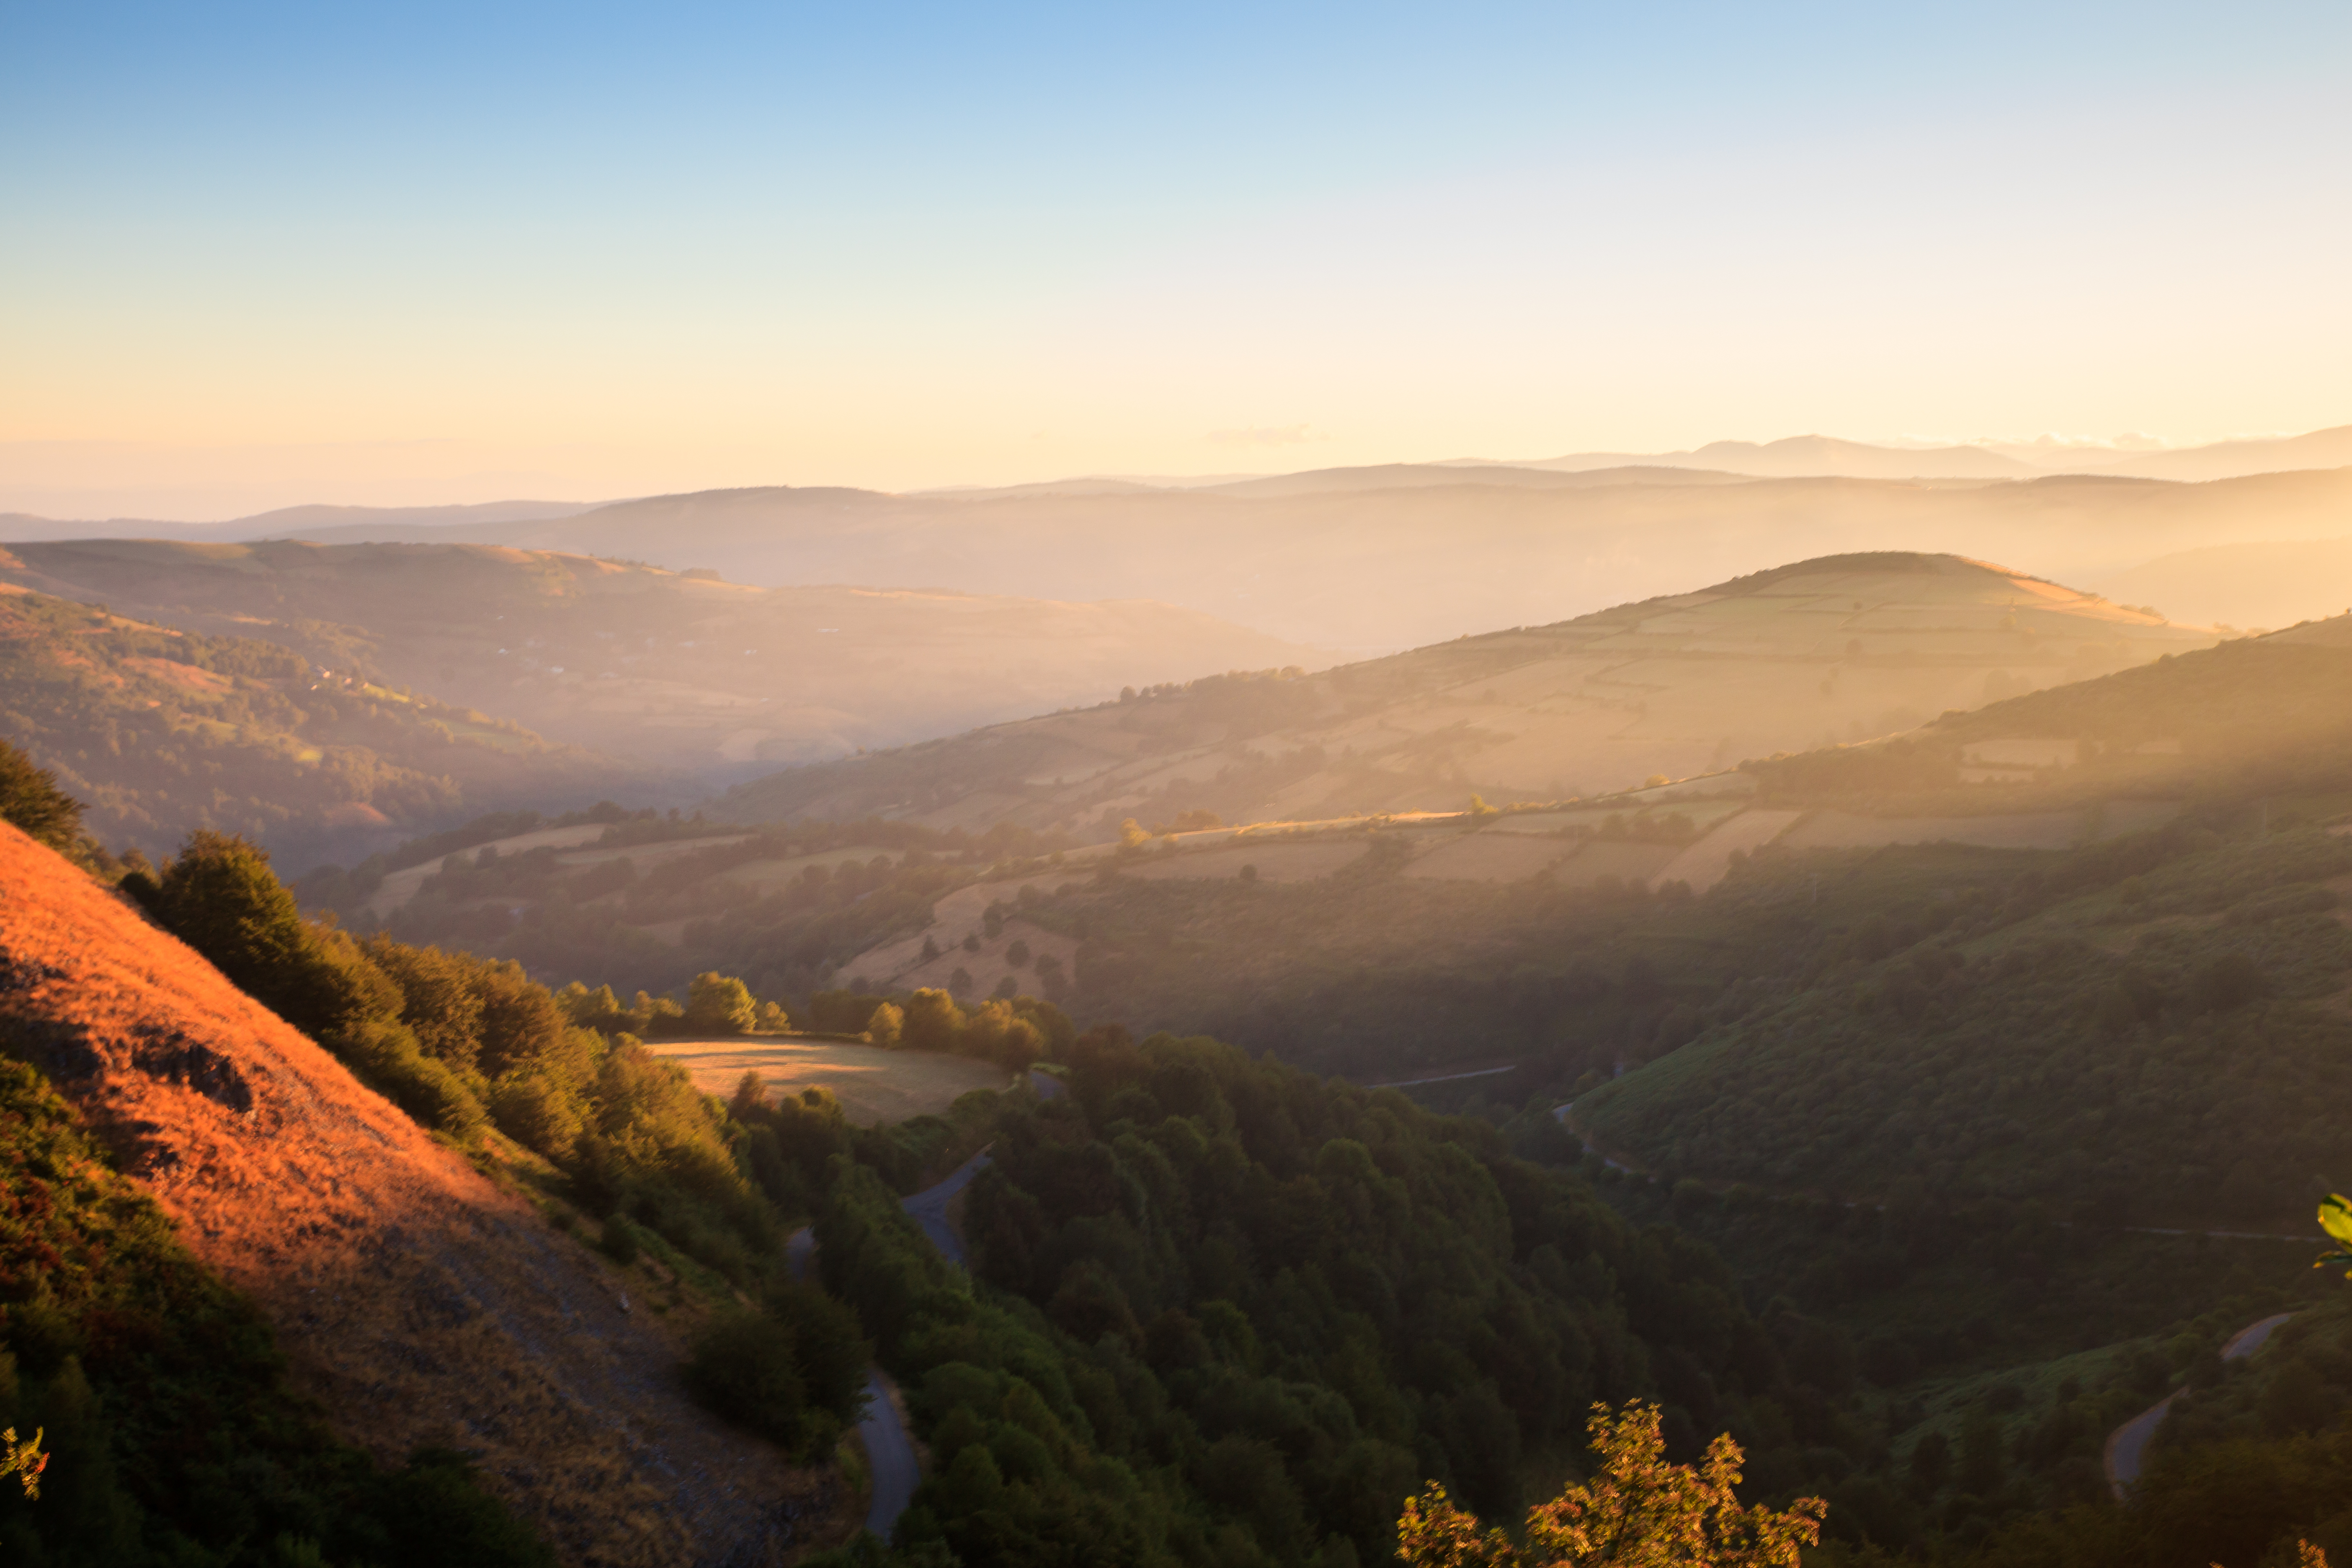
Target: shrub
(795, 1372)
(221, 898)
(536, 1114)
(720, 1004)
(385, 1054)
(31, 801)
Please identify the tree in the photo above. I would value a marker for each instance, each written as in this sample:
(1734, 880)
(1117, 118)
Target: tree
(31, 801)
(23, 1460)
(2336, 1219)
(720, 1004)
(220, 897)
(1639, 1512)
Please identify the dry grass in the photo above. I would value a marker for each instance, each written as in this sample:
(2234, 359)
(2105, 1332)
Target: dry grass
(415, 1300)
(872, 1084)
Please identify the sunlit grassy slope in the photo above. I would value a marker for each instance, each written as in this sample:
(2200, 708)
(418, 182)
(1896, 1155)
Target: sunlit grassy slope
(1815, 654)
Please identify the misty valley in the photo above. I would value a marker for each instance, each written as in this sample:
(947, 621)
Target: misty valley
(518, 1055)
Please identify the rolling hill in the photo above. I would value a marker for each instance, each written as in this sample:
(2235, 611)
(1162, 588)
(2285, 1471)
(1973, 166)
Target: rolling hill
(1372, 559)
(1818, 652)
(2256, 585)
(680, 671)
(1374, 570)
(161, 731)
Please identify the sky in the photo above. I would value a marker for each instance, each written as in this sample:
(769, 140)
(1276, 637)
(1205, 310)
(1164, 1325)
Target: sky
(256, 256)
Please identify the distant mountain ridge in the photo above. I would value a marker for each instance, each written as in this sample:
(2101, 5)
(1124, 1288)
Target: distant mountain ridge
(1374, 558)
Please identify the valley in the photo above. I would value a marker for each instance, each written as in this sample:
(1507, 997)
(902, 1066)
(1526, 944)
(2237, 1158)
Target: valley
(805, 787)
(676, 670)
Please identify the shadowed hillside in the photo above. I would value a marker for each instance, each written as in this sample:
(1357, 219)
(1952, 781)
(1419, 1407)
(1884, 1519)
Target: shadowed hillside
(673, 670)
(416, 1302)
(1813, 654)
(161, 732)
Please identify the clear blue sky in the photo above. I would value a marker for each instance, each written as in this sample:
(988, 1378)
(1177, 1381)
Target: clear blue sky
(460, 249)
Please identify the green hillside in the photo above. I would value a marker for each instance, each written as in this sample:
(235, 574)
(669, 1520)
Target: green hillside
(161, 732)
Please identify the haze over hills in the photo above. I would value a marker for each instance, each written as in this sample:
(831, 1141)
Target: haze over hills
(161, 732)
(1799, 457)
(679, 672)
(2258, 584)
(1369, 571)
(1817, 653)
(292, 522)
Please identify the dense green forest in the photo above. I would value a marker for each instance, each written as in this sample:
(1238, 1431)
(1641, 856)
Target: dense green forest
(159, 732)
(1222, 1311)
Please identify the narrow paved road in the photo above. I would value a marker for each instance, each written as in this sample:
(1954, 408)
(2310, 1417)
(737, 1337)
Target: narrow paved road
(2127, 1444)
(929, 1207)
(889, 1451)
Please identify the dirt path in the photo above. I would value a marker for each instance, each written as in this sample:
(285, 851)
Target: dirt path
(2127, 1444)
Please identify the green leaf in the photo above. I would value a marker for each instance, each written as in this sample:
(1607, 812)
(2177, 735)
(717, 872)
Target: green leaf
(2336, 1216)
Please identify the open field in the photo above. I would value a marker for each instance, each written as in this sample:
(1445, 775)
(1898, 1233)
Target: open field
(872, 1084)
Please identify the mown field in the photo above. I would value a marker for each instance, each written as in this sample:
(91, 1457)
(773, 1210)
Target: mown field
(872, 1084)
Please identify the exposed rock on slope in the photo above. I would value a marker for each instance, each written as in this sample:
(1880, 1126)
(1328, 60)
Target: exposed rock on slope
(415, 1300)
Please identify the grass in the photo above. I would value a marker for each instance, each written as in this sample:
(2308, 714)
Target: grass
(872, 1084)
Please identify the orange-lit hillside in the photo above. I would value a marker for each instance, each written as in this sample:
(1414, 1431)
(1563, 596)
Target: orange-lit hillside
(415, 1300)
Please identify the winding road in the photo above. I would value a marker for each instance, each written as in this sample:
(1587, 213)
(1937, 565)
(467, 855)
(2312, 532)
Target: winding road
(889, 1451)
(2127, 1444)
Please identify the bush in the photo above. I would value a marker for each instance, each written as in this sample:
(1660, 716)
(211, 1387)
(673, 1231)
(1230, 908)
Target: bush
(31, 802)
(720, 1004)
(536, 1114)
(754, 1369)
(221, 898)
(385, 1054)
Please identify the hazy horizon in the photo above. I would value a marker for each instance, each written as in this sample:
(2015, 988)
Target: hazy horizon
(358, 261)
